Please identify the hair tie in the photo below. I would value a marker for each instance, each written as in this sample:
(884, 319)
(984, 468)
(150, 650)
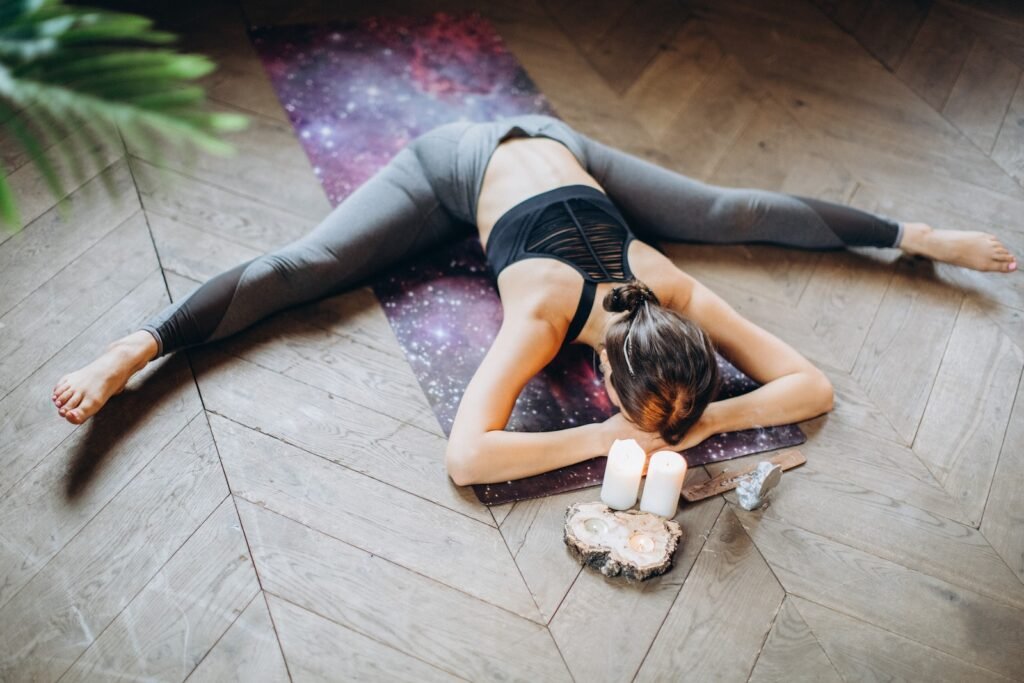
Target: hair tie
(625, 349)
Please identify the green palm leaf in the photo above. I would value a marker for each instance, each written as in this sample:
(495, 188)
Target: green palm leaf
(104, 74)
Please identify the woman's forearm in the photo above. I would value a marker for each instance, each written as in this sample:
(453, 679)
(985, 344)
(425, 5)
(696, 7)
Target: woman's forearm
(788, 399)
(497, 456)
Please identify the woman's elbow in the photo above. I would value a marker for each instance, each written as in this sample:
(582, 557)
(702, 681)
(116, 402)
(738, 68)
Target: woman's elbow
(460, 459)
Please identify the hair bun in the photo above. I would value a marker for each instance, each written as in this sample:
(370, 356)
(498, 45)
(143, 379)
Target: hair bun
(629, 297)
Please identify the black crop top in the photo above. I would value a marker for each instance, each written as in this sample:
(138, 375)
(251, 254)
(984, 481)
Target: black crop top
(575, 224)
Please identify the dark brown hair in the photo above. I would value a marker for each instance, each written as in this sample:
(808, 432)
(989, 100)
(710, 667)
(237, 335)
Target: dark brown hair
(663, 365)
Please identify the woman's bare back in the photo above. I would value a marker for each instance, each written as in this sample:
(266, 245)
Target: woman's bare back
(521, 168)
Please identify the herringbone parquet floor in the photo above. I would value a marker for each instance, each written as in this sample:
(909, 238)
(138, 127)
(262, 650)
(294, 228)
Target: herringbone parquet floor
(276, 506)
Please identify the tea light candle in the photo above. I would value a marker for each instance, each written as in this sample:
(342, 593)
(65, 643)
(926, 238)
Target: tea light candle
(622, 475)
(665, 474)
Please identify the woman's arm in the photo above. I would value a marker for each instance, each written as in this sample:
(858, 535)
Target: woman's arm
(793, 389)
(479, 449)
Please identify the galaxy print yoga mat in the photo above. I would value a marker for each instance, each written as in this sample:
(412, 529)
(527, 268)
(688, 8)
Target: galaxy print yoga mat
(356, 93)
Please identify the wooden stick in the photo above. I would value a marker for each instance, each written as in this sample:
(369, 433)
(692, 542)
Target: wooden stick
(728, 480)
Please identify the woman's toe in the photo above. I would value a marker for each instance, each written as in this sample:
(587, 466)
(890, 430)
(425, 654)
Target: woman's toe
(73, 402)
(64, 396)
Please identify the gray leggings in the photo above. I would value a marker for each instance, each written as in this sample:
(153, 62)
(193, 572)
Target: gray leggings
(426, 196)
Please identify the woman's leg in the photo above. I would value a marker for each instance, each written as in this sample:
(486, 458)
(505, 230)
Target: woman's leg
(393, 215)
(664, 205)
(669, 206)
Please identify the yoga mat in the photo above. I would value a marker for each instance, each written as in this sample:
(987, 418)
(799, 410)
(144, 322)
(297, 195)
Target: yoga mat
(356, 93)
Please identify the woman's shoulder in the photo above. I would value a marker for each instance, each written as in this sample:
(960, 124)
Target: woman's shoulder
(656, 270)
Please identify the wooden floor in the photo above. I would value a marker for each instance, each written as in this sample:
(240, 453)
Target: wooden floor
(276, 506)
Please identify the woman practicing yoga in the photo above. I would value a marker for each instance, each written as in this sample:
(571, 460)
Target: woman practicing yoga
(557, 213)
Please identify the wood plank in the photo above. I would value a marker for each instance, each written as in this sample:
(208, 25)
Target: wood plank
(1008, 150)
(379, 379)
(681, 65)
(867, 119)
(193, 253)
(560, 70)
(214, 209)
(588, 626)
(854, 412)
(702, 634)
(940, 198)
(955, 620)
(933, 62)
(500, 512)
(1003, 521)
(982, 93)
(846, 13)
(248, 651)
(860, 651)
(1001, 288)
(30, 427)
(45, 320)
(887, 28)
(268, 166)
(842, 296)
(969, 409)
(33, 193)
(356, 314)
(318, 649)
(181, 613)
(780, 319)
(628, 45)
(68, 604)
(864, 460)
(724, 104)
(335, 501)
(35, 254)
(905, 344)
(46, 508)
(813, 500)
(792, 653)
(771, 153)
(239, 80)
(530, 531)
(779, 274)
(587, 20)
(13, 154)
(998, 21)
(387, 450)
(383, 601)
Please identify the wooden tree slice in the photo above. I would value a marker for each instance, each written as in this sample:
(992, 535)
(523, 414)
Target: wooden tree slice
(630, 543)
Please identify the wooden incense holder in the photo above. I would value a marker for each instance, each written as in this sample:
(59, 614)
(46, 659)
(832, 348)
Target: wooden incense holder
(629, 543)
(728, 480)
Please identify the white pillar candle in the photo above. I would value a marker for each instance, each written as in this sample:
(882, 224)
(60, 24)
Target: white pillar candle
(622, 474)
(665, 474)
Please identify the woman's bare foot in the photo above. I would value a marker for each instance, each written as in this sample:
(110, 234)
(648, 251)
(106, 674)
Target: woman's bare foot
(975, 250)
(80, 394)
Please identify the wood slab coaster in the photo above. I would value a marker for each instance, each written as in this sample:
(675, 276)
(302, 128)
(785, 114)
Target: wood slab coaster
(630, 543)
(727, 480)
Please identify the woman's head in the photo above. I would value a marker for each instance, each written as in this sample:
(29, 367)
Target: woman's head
(662, 365)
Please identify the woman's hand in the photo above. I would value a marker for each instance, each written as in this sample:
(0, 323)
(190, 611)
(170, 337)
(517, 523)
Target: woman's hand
(697, 433)
(618, 427)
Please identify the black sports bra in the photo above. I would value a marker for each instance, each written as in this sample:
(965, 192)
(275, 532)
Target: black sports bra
(575, 224)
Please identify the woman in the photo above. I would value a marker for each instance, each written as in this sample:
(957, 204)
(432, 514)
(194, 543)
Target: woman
(556, 212)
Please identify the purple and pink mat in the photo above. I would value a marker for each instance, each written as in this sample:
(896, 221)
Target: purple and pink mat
(356, 93)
